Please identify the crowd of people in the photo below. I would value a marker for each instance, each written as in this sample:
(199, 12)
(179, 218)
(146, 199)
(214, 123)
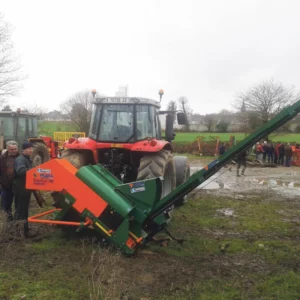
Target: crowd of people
(13, 168)
(280, 153)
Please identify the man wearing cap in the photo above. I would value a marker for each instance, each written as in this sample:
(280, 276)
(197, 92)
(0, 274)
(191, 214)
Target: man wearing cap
(7, 162)
(22, 195)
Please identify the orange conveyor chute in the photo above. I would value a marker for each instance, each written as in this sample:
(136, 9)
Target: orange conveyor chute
(59, 175)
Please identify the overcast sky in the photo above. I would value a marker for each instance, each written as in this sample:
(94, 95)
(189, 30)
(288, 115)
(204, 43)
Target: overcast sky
(207, 51)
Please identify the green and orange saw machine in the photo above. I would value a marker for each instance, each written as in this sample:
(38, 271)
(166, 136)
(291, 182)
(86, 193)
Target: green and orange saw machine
(126, 215)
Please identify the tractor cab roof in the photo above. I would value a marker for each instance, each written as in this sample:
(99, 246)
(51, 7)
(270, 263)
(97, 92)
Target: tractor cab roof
(126, 100)
(8, 113)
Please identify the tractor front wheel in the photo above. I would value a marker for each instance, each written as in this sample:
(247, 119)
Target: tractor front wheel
(159, 164)
(40, 154)
(76, 158)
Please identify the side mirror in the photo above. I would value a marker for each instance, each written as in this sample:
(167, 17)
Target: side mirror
(169, 127)
(181, 118)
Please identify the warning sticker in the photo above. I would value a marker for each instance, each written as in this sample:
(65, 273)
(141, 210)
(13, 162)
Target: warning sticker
(137, 187)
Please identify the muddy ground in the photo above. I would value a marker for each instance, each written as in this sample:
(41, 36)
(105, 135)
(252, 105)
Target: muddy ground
(241, 242)
(281, 180)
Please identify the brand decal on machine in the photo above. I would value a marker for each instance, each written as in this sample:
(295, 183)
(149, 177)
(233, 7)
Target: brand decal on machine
(39, 181)
(43, 176)
(137, 187)
(39, 170)
(46, 175)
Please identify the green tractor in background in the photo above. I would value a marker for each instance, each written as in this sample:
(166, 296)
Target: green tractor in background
(22, 126)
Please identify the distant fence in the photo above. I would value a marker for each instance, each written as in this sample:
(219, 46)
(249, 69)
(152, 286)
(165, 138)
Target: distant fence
(61, 137)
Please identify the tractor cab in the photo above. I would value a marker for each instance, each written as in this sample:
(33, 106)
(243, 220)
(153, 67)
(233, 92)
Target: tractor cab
(18, 126)
(124, 120)
(126, 138)
(129, 120)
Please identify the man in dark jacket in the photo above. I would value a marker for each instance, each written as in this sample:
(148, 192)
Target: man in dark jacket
(270, 152)
(276, 153)
(288, 151)
(265, 149)
(222, 149)
(281, 154)
(7, 161)
(241, 161)
(22, 195)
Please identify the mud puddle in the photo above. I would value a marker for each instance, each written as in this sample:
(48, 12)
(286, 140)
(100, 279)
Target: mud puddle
(277, 182)
(214, 182)
(286, 187)
(280, 179)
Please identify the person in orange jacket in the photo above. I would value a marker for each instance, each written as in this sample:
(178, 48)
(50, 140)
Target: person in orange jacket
(259, 151)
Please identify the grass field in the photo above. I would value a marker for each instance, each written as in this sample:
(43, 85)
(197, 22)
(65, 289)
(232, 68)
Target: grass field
(49, 127)
(254, 254)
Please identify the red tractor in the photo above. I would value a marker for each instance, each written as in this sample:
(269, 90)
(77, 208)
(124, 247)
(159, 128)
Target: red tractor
(21, 126)
(125, 137)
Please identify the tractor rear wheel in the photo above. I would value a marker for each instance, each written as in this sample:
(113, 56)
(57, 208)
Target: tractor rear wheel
(183, 171)
(40, 154)
(157, 165)
(76, 158)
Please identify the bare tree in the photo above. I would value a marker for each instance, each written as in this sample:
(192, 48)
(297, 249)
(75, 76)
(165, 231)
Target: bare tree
(6, 108)
(172, 106)
(37, 110)
(266, 99)
(225, 117)
(184, 106)
(10, 69)
(248, 120)
(78, 108)
(210, 121)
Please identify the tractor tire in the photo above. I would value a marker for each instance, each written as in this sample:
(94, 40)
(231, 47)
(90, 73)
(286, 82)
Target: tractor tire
(183, 172)
(159, 164)
(76, 158)
(40, 154)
